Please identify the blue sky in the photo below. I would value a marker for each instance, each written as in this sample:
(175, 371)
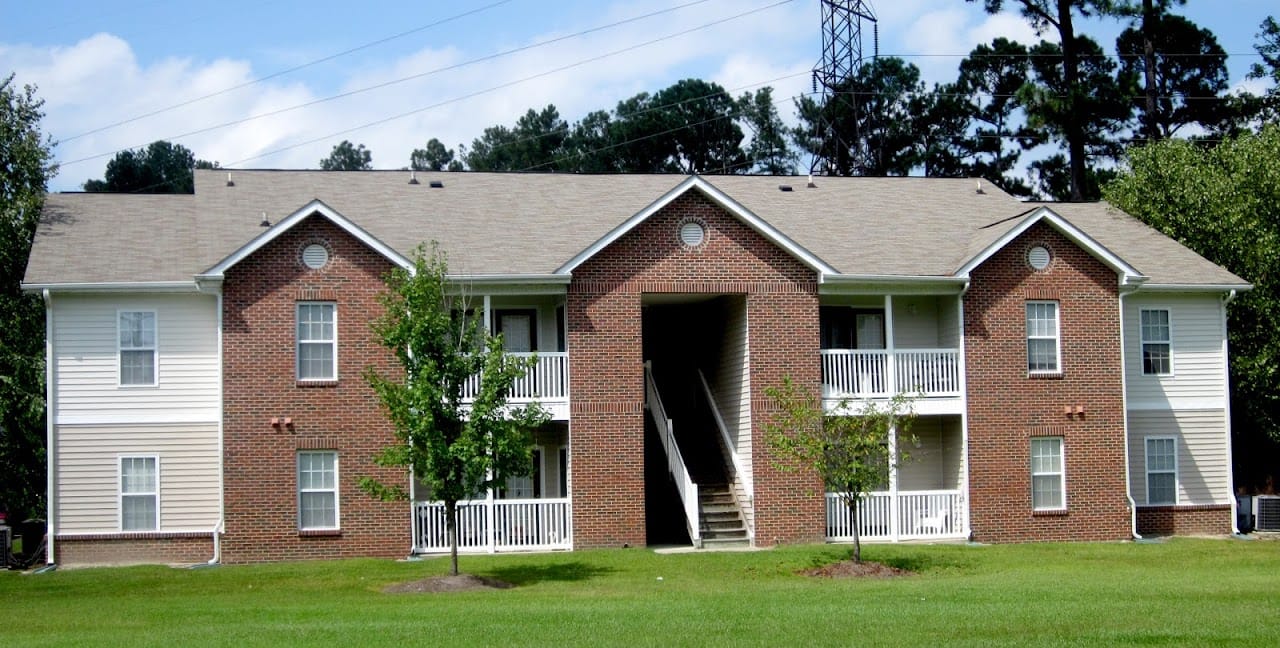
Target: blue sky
(100, 63)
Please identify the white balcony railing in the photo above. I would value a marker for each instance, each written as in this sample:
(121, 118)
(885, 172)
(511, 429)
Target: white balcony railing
(917, 515)
(495, 525)
(858, 373)
(548, 380)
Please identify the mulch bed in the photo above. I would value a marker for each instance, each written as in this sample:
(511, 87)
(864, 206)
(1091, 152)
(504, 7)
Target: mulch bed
(459, 583)
(850, 569)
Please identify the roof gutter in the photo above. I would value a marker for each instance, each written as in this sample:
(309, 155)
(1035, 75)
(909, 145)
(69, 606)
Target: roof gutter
(510, 279)
(114, 286)
(1227, 288)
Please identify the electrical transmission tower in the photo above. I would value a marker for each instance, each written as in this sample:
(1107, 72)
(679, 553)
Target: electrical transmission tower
(841, 61)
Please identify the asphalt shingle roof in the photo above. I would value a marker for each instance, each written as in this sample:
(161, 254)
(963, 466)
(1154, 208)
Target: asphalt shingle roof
(533, 223)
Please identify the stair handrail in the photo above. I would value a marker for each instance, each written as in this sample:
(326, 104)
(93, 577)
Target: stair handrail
(744, 477)
(675, 461)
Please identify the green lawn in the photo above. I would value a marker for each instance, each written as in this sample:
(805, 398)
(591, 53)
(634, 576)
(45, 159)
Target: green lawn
(1182, 592)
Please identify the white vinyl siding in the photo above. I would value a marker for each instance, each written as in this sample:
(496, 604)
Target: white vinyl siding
(1197, 374)
(1162, 470)
(137, 339)
(1202, 459)
(87, 482)
(86, 360)
(936, 460)
(317, 490)
(1048, 480)
(317, 341)
(1043, 340)
(139, 493)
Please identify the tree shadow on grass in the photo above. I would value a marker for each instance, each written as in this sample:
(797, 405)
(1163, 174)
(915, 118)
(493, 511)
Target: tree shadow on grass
(530, 574)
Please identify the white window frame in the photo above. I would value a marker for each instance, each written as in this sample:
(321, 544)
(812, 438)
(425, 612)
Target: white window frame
(1146, 456)
(121, 494)
(1056, 337)
(154, 348)
(298, 341)
(1142, 336)
(1060, 473)
(337, 499)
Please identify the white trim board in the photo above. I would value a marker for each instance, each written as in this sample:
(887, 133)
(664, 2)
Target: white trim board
(720, 198)
(315, 207)
(1129, 274)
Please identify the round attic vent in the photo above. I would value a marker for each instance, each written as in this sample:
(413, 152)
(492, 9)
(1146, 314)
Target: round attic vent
(1038, 257)
(692, 233)
(315, 256)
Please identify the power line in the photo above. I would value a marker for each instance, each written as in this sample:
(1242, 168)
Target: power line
(405, 79)
(288, 71)
(508, 84)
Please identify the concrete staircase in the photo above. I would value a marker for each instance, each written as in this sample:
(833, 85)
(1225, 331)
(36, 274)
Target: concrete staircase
(720, 518)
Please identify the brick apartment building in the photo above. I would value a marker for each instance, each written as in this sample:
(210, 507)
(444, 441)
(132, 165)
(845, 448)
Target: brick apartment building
(206, 351)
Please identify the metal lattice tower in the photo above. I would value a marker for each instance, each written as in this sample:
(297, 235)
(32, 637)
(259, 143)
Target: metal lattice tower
(842, 57)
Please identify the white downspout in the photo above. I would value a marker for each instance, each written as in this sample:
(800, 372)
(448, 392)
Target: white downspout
(49, 409)
(964, 409)
(1226, 413)
(891, 384)
(222, 490)
(1124, 404)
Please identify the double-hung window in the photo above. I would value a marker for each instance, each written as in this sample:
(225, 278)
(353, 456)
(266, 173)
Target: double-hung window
(1048, 484)
(139, 493)
(1157, 358)
(137, 347)
(318, 490)
(317, 341)
(1042, 338)
(1162, 470)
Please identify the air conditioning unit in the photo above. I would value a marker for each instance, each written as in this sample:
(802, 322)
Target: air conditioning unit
(1266, 512)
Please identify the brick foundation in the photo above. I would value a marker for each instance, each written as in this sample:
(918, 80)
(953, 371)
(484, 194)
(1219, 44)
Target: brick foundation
(133, 549)
(607, 376)
(1184, 520)
(259, 321)
(1007, 407)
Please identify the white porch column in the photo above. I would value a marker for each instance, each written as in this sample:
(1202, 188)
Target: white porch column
(489, 518)
(488, 317)
(891, 361)
(894, 505)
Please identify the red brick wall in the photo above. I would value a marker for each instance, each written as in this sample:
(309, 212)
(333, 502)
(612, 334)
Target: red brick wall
(133, 549)
(260, 474)
(607, 374)
(1007, 408)
(1184, 520)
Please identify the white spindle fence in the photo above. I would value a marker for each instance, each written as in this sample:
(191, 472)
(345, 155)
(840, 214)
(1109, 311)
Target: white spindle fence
(516, 525)
(545, 381)
(921, 515)
(865, 373)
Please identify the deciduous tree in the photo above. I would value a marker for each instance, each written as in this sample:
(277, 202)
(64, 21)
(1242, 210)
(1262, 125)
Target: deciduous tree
(434, 157)
(161, 167)
(25, 168)
(455, 449)
(346, 156)
(851, 451)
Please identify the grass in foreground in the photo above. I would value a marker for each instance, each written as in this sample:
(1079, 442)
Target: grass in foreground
(1183, 592)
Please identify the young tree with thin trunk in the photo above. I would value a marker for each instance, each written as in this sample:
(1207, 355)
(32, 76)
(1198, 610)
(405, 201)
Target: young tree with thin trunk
(455, 449)
(851, 451)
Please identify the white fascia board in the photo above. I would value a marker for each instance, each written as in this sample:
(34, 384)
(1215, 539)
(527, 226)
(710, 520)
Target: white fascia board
(114, 286)
(1129, 274)
(889, 284)
(274, 232)
(1200, 288)
(723, 200)
(509, 284)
